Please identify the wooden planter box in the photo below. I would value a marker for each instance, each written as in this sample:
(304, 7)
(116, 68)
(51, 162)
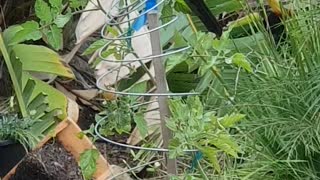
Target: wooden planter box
(67, 133)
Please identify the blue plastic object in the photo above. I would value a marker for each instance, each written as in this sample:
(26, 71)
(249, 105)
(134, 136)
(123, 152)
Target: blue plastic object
(197, 157)
(142, 20)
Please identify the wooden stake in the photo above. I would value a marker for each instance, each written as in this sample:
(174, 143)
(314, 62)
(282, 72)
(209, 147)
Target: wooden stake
(162, 87)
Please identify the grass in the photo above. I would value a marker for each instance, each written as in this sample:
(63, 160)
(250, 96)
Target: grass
(282, 102)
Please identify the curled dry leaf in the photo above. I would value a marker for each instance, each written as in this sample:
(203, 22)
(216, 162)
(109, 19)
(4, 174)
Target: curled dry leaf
(65, 92)
(91, 21)
(87, 94)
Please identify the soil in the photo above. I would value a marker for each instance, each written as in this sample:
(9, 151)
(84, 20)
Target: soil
(86, 117)
(51, 162)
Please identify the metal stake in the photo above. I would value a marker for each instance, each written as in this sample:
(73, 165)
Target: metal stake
(162, 87)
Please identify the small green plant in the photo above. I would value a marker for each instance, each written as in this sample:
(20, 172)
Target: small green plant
(193, 128)
(14, 129)
(120, 115)
(52, 16)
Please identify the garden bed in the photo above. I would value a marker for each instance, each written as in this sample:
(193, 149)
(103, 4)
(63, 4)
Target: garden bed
(52, 161)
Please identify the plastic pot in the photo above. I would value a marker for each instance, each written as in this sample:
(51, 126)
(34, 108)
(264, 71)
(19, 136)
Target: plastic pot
(10, 154)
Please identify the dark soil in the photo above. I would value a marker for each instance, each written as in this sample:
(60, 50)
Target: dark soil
(86, 117)
(51, 162)
(115, 154)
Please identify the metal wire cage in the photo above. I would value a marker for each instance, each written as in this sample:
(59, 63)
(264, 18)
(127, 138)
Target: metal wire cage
(124, 18)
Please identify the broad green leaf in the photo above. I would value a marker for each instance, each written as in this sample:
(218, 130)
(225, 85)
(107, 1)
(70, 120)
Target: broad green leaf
(15, 77)
(181, 6)
(78, 3)
(240, 60)
(62, 19)
(95, 46)
(43, 11)
(56, 100)
(230, 120)
(88, 163)
(174, 60)
(139, 87)
(36, 99)
(41, 59)
(10, 32)
(166, 12)
(205, 82)
(54, 37)
(141, 124)
(30, 31)
(56, 4)
(224, 6)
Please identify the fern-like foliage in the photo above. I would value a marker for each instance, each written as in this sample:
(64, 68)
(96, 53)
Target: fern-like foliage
(15, 129)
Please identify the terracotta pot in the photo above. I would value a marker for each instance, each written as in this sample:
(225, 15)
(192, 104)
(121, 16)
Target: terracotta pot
(67, 133)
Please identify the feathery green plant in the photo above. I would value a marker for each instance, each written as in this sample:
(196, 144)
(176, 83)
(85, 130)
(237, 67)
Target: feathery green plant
(282, 102)
(15, 129)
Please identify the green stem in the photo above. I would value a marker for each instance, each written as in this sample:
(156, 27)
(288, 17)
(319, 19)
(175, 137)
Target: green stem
(204, 176)
(14, 79)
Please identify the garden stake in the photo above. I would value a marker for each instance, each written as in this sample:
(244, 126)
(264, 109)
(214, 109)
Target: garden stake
(162, 87)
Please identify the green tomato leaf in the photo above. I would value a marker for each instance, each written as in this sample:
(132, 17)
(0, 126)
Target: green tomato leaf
(57, 4)
(54, 37)
(95, 46)
(240, 60)
(141, 124)
(62, 19)
(88, 162)
(29, 31)
(43, 11)
(113, 31)
(78, 3)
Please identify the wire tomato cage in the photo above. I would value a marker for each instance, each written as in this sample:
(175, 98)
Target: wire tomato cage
(124, 18)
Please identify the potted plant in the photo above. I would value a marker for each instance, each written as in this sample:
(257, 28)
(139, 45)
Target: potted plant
(67, 133)
(40, 106)
(15, 140)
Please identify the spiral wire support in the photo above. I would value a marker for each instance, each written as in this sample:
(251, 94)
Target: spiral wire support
(119, 20)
